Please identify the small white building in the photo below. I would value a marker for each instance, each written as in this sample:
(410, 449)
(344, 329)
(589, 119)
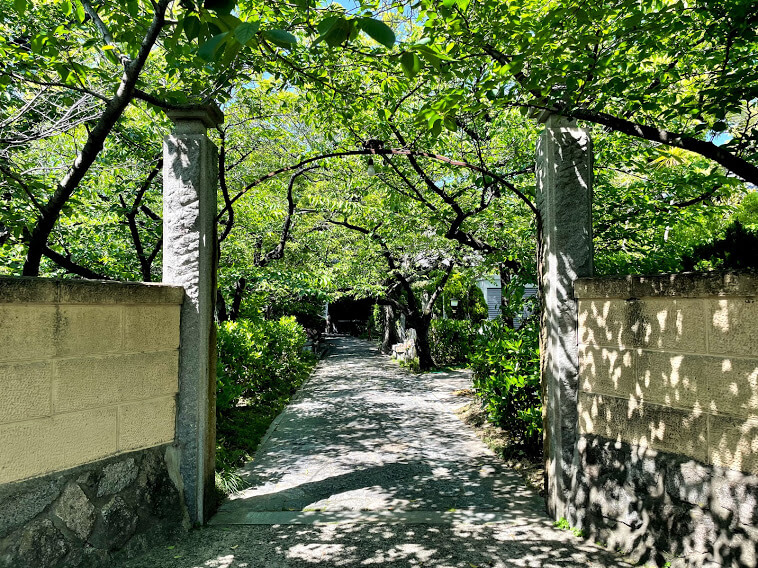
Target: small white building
(492, 290)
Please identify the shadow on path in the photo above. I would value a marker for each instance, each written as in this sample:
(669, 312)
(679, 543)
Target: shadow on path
(369, 466)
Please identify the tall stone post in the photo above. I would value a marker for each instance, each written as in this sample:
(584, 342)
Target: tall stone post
(564, 199)
(190, 165)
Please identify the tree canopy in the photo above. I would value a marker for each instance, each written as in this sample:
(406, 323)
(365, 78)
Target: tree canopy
(440, 98)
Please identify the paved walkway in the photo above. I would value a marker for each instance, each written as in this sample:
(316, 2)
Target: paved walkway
(370, 467)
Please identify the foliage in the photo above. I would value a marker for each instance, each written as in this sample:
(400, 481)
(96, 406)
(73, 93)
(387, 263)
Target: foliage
(564, 525)
(451, 341)
(736, 250)
(376, 322)
(260, 365)
(670, 71)
(412, 365)
(471, 302)
(653, 204)
(506, 376)
(259, 360)
(747, 211)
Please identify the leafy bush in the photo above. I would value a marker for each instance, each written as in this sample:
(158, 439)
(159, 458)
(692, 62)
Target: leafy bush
(259, 360)
(506, 377)
(451, 341)
(472, 305)
(260, 365)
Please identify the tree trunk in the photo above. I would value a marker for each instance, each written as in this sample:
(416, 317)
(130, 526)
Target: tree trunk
(421, 323)
(389, 337)
(239, 291)
(221, 314)
(423, 347)
(114, 108)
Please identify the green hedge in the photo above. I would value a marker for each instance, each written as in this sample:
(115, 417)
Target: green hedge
(506, 376)
(451, 341)
(259, 361)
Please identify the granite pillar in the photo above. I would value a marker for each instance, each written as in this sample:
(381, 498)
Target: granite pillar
(190, 164)
(564, 199)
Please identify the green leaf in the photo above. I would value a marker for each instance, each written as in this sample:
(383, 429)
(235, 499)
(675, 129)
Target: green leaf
(338, 33)
(80, 15)
(378, 31)
(326, 24)
(411, 64)
(436, 129)
(280, 38)
(133, 8)
(38, 42)
(246, 31)
(210, 48)
(432, 58)
(220, 6)
(20, 6)
(191, 27)
(231, 51)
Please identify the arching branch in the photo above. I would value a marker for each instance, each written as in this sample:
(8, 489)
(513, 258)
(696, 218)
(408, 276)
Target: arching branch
(384, 152)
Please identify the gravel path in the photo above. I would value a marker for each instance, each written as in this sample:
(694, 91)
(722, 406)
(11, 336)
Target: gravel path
(369, 466)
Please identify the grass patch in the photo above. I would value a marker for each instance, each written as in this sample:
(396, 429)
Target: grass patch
(239, 432)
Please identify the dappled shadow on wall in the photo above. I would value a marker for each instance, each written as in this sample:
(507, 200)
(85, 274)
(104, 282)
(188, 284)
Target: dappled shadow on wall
(668, 411)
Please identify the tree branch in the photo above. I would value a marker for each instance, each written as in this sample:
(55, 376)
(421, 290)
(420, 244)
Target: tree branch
(738, 166)
(104, 31)
(93, 146)
(70, 266)
(385, 152)
(278, 251)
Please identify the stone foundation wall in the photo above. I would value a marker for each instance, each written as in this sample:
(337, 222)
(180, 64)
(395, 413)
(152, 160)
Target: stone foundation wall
(667, 457)
(89, 377)
(88, 515)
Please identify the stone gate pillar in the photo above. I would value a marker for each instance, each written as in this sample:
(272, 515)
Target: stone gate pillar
(564, 199)
(190, 165)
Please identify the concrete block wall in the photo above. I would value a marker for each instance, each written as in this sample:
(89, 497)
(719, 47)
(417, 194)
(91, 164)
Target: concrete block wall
(88, 370)
(668, 415)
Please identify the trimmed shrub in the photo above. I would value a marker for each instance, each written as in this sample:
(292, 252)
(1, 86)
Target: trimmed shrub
(259, 360)
(260, 365)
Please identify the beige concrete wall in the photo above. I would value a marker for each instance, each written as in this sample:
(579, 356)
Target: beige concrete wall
(87, 370)
(670, 363)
